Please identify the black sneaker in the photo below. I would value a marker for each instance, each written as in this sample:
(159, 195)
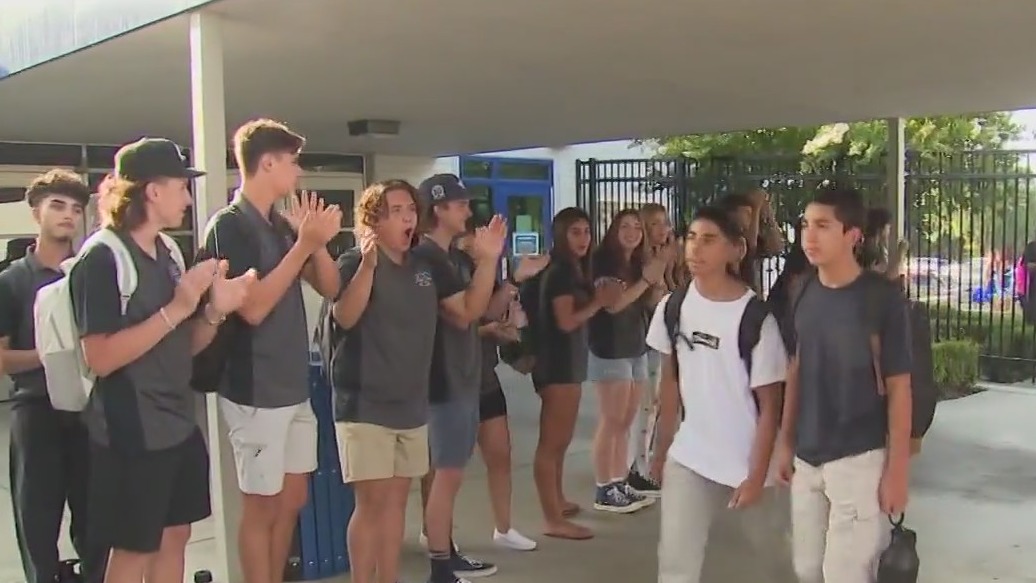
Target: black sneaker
(643, 485)
(465, 566)
(455, 580)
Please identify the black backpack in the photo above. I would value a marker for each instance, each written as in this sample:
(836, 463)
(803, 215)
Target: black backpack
(923, 391)
(748, 333)
(210, 364)
(521, 355)
(328, 335)
(69, 571)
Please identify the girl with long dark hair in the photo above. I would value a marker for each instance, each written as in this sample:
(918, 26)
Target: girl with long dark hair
(568, 301)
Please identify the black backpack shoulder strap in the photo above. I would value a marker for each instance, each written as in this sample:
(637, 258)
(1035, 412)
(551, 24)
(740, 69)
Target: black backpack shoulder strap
(671, 318)
(750, 329)
(798, 288)
(671, 315)
(877, 294)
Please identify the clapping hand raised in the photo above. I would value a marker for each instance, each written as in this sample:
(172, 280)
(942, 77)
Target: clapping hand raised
(488, 242)
(192, 285)
(529, 265)
(228, 294)
(369, 248)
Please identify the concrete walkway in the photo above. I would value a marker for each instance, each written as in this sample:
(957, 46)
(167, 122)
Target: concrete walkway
(973, 505)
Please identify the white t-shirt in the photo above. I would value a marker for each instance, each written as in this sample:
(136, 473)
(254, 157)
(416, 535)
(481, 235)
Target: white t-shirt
(720, 415)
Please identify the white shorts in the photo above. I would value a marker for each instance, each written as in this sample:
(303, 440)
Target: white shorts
(269, 443)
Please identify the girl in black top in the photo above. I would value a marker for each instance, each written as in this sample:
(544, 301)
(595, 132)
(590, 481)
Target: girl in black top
(568, 301)
(617, 362)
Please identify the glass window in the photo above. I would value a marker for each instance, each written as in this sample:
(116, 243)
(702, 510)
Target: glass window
(344, 199)
(481, 205)
(341, 243)
(525, 214)
(12, 194)
(322, 162)
(513, 170)
(475, 168)
(19, 154)
(101, 156)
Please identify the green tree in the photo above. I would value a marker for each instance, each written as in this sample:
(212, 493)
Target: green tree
(952, 177)
(862, 142)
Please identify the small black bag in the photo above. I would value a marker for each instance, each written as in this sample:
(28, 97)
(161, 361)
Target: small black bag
(69, 572)
(899, 562)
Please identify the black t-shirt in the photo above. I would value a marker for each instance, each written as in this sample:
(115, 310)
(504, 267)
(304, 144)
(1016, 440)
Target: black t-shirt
(561, 356)
(841, 413)
(622, 334)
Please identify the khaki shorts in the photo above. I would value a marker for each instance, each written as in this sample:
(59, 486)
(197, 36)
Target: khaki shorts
(269, 443)
(373, 452)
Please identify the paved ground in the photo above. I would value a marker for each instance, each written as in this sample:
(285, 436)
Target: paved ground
(974, 506)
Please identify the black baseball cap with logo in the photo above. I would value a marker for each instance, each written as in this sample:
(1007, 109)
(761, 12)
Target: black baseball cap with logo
(149, 159)
(443, 188)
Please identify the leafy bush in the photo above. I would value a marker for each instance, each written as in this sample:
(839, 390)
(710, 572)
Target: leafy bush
(1006, 343)
(956, 367)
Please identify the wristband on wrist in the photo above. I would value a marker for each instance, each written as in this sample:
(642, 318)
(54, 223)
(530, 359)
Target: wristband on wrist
(213, 321)
(166, 319)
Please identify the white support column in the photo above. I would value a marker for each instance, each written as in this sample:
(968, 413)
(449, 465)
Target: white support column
(895, 167)
(208, 116)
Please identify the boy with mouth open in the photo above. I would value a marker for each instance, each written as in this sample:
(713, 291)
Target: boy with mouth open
(388, 312)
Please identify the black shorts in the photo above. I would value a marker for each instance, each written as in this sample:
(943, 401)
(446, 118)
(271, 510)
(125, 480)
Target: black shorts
(491, 405)
(134, 497)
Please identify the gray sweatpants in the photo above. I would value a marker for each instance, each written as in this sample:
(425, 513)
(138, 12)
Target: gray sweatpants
(690, 505)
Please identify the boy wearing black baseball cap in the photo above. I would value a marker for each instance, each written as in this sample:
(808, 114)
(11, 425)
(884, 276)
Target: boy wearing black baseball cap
(149, 474)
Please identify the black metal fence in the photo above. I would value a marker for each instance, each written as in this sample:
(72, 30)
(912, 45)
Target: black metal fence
(969, 217)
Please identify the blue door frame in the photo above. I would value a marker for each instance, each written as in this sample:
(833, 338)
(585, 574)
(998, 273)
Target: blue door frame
(523, 198)
(513, 194)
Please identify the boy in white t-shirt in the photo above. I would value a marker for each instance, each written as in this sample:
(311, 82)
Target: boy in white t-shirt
(718, 456)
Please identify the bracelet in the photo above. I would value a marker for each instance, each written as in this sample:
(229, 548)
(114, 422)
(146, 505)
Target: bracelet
(165, 318)
(222, 317)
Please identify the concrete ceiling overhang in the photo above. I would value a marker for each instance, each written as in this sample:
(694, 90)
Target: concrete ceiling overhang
(474, 75)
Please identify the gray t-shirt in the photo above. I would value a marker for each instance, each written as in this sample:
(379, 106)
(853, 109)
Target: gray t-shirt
(841, 413)
(147, 405)
(381, 366)
(268, 366)
(457, 364)
(18, 286)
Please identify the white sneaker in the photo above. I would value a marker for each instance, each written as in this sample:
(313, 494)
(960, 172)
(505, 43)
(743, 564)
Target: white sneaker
(513, 540)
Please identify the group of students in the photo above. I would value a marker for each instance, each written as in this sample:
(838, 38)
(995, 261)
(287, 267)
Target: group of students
(133, 464)
(418, 309)
(417, 315)
(751, 393)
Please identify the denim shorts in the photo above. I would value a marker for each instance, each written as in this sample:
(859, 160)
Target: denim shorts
(617, 369)
(452, 432)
